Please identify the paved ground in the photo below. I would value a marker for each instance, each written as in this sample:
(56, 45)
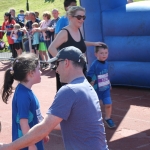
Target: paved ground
(131, 112)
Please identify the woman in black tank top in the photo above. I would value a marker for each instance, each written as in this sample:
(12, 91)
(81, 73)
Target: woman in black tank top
(71, 34)
(80, 45)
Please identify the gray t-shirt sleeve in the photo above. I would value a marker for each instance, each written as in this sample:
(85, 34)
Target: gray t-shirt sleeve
(63, 103)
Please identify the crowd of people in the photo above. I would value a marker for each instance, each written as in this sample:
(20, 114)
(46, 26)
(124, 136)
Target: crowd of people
(61, 40)
(27, 32)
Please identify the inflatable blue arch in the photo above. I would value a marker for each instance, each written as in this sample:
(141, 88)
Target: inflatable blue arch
(125, 28)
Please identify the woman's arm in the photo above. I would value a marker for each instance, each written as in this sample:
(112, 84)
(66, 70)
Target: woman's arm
(17, 34)
(87, 43)
(60, 39)
(36, 30)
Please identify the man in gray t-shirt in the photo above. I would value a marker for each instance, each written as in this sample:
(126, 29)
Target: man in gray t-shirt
(78, 105)
(76, 108)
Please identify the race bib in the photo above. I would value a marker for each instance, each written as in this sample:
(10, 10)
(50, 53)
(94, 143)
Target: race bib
(103, 80)
(39, 115)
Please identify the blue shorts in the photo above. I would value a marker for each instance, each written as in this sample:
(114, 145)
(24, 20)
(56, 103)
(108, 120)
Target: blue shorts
(105, 96)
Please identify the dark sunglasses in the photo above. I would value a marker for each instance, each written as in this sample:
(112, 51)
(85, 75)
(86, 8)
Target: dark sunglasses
(79, 17)
(57, 63)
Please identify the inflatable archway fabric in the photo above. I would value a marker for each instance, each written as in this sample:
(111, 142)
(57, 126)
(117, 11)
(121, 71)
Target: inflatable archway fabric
(125, 28)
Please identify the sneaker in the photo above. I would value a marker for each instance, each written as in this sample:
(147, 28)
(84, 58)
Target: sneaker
(110, 123)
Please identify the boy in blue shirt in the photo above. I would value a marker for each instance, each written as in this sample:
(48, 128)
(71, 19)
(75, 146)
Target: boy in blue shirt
(98, 77)
(63, 21)
(36, 40)
(21, 16)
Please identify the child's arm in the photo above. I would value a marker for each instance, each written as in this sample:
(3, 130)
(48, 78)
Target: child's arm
(11, 34)
(17, 34)
(24, 30)
(25, 128)
(90, 74)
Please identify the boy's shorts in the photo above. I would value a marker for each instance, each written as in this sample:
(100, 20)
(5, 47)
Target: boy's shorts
(105, 97)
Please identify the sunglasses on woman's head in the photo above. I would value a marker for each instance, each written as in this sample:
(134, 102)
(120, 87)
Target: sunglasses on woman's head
(79, 17)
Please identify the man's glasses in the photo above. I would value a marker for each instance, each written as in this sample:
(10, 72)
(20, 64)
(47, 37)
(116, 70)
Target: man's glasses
(57, 63)
(79, 17)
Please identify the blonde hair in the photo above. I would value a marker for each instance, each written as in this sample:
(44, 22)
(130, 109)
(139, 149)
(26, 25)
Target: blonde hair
(35, 24)
(73, 9)
(27, 13)
(17, 26)
(47, 14)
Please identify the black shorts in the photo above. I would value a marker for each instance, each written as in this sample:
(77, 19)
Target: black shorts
(35, 47)
(18, 46)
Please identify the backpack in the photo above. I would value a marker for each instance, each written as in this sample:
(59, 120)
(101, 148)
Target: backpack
(2, 45)
(1, 33)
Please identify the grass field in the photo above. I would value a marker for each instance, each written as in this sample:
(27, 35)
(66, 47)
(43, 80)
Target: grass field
(34, 5)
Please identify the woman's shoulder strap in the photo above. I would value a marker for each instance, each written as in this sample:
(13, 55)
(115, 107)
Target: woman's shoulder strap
(65, 29)
(80, 32)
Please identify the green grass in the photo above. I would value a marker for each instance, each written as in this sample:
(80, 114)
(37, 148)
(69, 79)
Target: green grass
(4, 50)
(34, 5)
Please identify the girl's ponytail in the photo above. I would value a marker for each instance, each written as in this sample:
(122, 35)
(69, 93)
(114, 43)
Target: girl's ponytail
(22, 65)
(7, 86)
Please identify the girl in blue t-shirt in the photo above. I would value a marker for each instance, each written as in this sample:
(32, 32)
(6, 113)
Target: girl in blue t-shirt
(25, 106)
